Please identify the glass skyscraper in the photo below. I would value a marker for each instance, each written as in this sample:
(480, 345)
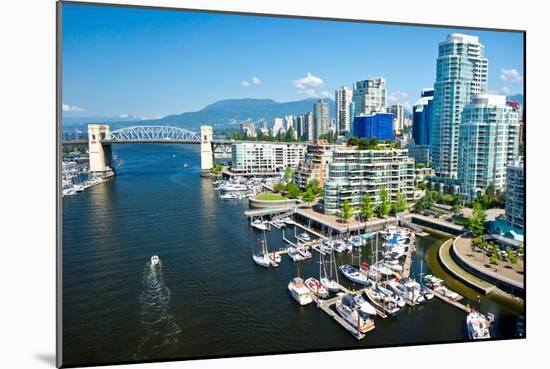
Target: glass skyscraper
(379, 125)
(422, 118)
(461, 73)
(489, 141)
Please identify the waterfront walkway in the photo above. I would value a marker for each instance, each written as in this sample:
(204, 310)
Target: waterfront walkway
(505, 272)
(452, 267)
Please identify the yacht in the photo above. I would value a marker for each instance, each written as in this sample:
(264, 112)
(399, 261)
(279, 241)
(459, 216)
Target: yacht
(408, 289)
(154, 260)
(364, 305)
(394, 267)
(339, 246)
(348, 310)
(299, 291)
(478, 326)
(229, 196)
(354, 275)
(326, 247)
(259, 224)
(389, 293)
(384, 303)
(316, 287)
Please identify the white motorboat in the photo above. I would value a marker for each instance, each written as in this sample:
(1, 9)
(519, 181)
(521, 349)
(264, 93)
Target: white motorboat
(408, 289)
(304, 252)
(287, 220)
(354, 275)
(258, 224)
(478, 326)
(347, 308)
(389, 293)
(229, 196)
(154, 260)
(364, 305)
(316, 287)
(262, 260)
(339, 246)
(326, 247)
(394, 267)
(294, 255)
(275, 257)
(299, 291)
(304, 236)
(384, 303)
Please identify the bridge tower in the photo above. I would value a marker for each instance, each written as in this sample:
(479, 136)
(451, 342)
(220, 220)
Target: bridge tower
(101, 155)
(207, 156)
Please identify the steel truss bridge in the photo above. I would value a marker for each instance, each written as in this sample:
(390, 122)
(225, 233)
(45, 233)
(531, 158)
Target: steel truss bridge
(153, 134)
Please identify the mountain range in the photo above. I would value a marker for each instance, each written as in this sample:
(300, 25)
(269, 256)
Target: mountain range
(221, 114)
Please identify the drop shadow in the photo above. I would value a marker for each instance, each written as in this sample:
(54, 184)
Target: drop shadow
(46, 358)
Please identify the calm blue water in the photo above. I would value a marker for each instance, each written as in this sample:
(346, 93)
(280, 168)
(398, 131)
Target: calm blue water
(207, 298)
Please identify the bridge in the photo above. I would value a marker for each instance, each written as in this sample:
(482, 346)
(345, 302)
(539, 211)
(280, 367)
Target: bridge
(101, 138)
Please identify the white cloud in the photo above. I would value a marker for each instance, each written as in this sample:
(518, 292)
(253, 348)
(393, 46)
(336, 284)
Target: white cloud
(256, 81)
(502, 91)
(510, 75)
(325, 94)
(309, 81)
(124, 116)
(67, 107)
(397, 97)
(245, 84)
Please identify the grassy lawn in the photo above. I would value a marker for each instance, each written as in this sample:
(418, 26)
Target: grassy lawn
(270, 196)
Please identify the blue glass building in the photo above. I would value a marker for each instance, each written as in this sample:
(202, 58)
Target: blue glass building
(379, 125)
(422, 118)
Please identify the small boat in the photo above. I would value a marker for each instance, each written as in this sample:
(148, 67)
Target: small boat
(408, 289)
(316, 287)
(275, 257)
(278, 224)
(384, 303)
(229, 196)
(294, 255)
(262, 260)
(389, 293)
(287, 220)
(347, 308)
(330, 284)
(478, 326)
(258, 224)
(354, 275)
(364, 305)
(339, 246)
(299, 291)
(185, 165)
(426, 292)
(154, 260)
(304, 236)
(326, 247)
(394, 267)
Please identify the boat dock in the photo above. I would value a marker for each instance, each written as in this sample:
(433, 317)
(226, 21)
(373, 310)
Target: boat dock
(453, 302)
(408, 261)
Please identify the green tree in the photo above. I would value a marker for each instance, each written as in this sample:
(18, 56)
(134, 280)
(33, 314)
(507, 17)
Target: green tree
(384, 207)
(347, 211)
(289, 136)
(315, 187)
(308, 196)
(278, 187)
(289, 172)
(367, 210)
(476, 221)
(293, 191)
(400, 204)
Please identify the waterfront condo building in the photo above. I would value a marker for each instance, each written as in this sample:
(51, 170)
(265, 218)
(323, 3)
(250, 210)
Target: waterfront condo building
(321, 119)
(266, 158)
(370, 96)
(515, 193)
(379, 125)
(342, 98)
(461, 73)
(315, 164)
(489, 140)
(355, 173)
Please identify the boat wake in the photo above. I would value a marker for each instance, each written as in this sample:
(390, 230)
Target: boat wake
(161, 331)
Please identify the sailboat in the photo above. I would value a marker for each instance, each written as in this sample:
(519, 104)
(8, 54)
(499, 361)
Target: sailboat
(424, 291)
(327, 280)
(262, 259)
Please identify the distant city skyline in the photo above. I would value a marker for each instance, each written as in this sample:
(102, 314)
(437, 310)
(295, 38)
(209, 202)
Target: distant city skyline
(148, 63)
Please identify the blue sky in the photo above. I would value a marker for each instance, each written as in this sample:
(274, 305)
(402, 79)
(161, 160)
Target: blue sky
(151, 63)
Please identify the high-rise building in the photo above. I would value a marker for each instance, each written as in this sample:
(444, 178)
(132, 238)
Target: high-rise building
(278, 127)
(355, 173)
(321, 118)
(290, 122)
(304, 126)
(342, 98)
(370, 96)
(249, 158)
(515, 193)
(422, 118)
(489, 140)
(248, 129)
(398, 112)
(379, 125)
(461, 73)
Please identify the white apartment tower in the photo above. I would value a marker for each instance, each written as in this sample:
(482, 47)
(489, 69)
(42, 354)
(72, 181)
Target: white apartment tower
(342, 98)
(461, 73)
(370, 96)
